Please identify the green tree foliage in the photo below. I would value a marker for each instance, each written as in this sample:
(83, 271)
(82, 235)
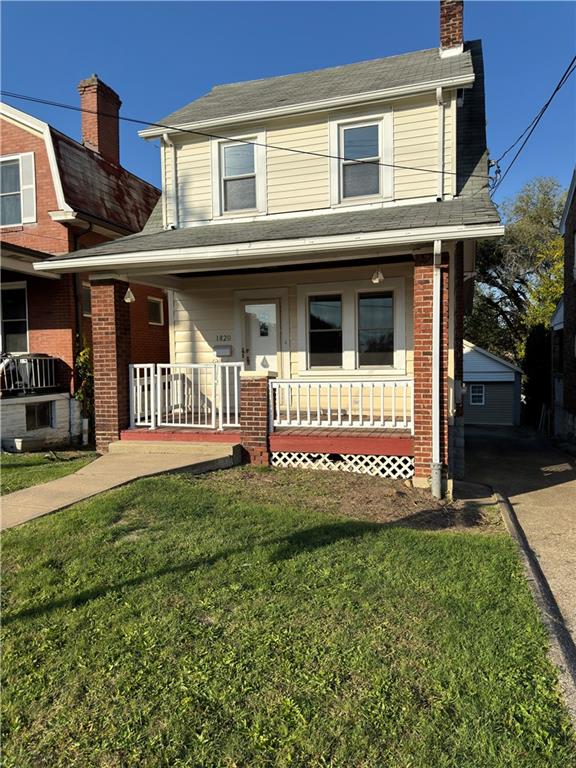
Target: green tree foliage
(519, 277)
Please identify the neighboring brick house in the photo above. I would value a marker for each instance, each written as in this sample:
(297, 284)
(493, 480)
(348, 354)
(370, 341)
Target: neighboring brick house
(59, 196)
(564, 329)
(315, 251)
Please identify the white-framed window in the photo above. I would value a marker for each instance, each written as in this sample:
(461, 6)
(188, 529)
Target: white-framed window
(239, 175)
(352, 327)
(17, 190)
(14, 314)
(39, 415)
(362, 157)
(86, 300)
(476, 394)
(155, 311)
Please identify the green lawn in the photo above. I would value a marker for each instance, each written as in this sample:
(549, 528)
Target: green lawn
(235, 621)
(21, 470)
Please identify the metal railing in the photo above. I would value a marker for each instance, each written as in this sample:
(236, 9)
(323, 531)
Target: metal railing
(27, 373)
(354, 404)
(202, 396)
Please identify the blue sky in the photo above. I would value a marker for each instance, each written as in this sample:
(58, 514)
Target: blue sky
(159, 56)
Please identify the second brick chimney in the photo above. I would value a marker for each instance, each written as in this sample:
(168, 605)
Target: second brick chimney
(451, 25)
(100, 125)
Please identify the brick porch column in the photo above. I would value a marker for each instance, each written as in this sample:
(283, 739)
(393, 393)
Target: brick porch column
(254, 416)
(111, 355)
(423, 300)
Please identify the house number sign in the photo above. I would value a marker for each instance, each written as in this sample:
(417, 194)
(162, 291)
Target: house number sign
(224, 337)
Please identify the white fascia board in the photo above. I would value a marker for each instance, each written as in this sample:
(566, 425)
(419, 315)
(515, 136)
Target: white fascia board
(462, 81)
(32, 122)
(569, 202)
(263, 249)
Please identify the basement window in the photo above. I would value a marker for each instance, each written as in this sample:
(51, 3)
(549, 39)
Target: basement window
(38, 416)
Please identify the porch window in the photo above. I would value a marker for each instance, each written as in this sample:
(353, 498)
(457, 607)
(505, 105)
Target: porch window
(14, 319)
(17, 190)
(238, 177)
(360, 143)
(376, 329)
(325, 331)
(476, 394)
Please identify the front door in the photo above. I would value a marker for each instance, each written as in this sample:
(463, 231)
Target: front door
(261, 336)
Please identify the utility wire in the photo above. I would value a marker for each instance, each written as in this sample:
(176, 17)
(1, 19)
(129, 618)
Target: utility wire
(529, 130)
(47, 102)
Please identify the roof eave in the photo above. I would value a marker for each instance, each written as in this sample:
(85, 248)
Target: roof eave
(463, 81)
(230, 252)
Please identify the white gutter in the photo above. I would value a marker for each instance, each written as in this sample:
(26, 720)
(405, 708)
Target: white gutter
(436, 469)
(461, 81)
(441, 108)
(190, 255)
(172, 202)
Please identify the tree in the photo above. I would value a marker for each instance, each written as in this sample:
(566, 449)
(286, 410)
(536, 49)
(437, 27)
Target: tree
(519, 277)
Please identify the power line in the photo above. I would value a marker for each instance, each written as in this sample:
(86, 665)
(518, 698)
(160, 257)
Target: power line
(529, 130)
(47, 102)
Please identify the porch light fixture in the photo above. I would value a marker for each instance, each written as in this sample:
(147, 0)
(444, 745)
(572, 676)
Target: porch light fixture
(377, 277)
(129, 297)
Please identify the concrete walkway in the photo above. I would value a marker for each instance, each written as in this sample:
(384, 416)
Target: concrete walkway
(540, 482)
(125, 462)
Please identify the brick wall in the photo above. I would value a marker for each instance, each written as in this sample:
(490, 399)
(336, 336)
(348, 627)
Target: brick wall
(451, 23)
(254, 419)
(423, 300)
(111, 338)
(150, 343)
(570, 313)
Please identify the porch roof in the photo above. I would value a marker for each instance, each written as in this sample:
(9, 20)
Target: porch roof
(462, 212)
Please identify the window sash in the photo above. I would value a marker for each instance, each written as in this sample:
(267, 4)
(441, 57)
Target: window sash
(332, 334)
(373, 328)
(344, 162)
(476, 394)
(225, 178)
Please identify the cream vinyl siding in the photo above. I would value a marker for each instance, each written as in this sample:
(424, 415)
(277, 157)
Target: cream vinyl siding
(209, 309)
(298, 182)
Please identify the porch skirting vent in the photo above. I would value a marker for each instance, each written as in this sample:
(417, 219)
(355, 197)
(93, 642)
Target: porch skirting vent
(394, 467)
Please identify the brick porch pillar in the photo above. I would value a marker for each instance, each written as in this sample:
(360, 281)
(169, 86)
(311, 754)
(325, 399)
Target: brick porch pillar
(111, 355)
(254, 416)
(423, 303)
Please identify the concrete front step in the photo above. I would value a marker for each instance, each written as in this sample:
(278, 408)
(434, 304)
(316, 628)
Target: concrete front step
(192, 449)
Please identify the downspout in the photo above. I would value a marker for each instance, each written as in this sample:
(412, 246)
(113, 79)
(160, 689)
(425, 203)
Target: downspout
(174, 187)
(436, 473)
(441, 107)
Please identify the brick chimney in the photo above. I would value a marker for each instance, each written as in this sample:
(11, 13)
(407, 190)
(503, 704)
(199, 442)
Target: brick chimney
(100, 132)
(451, 25)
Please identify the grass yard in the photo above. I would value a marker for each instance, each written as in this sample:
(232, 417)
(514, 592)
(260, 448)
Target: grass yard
(273, 618)
(21, 470)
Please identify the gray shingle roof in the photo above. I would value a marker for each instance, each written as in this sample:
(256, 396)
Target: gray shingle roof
(333, 82)
(465, 211)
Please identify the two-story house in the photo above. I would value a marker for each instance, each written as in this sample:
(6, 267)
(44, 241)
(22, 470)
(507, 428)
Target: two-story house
(315, 233)
(57, 196)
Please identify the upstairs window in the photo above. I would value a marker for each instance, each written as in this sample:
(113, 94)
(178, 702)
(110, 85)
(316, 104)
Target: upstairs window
(17, 190)
(238, 177)
(360, 143)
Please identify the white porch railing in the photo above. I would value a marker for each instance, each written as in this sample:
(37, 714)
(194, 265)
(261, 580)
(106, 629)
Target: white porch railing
(205, 396)
(382, 404)
(27, 373)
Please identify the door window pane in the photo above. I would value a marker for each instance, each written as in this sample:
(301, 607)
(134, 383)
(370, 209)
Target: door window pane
(325, 334)
(376, 329)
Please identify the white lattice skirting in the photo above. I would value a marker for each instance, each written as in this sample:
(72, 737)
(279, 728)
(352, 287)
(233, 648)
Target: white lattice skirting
(395, 467)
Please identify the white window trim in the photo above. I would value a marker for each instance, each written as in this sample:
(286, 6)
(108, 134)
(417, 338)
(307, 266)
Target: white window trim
(32, 186)
(259, 137)
(11, 287)
(85, 314)
(483, 394)
(156, 300)
(384, 120)
(349, 292)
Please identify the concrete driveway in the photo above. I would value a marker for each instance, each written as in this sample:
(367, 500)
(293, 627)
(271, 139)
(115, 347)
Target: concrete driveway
(540, 481)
